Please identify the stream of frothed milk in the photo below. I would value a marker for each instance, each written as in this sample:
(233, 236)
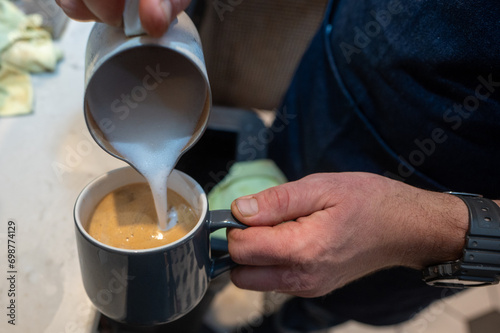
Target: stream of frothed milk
(148, 112)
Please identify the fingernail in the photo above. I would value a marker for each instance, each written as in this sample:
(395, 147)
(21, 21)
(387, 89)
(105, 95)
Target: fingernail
(247, 206)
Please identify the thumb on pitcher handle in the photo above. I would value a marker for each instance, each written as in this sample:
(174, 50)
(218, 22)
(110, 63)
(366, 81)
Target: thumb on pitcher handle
(222, 219)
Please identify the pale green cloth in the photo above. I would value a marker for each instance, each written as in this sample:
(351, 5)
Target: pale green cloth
(244, 178)
(16, 94)
(24, 48)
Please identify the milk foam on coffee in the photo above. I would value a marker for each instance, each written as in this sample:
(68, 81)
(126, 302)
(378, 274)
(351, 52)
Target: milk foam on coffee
(149, 111)
(126, 218)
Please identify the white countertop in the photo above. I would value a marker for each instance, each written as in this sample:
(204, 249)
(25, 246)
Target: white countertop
(46, 158)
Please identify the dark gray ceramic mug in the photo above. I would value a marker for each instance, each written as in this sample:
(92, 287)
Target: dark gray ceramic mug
(152, 286)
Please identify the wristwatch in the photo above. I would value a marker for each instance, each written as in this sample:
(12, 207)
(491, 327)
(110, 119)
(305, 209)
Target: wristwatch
(480, 264)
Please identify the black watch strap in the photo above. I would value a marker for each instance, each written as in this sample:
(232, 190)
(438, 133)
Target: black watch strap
(482, 244)
(480, 264)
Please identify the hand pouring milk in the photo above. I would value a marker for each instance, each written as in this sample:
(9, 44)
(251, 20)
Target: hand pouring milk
(147, 100)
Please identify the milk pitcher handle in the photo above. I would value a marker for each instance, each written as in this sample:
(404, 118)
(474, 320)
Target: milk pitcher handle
(222, 219)
(131, 21)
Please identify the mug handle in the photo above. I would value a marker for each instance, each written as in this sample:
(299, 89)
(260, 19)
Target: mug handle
(222, 219)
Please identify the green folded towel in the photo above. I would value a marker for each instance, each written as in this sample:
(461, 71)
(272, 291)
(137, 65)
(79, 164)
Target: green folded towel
(24, 48)
(244, 178)
(16, 94)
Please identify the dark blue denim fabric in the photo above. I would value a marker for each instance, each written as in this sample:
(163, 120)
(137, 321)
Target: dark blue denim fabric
(410, 99)
(405, 89)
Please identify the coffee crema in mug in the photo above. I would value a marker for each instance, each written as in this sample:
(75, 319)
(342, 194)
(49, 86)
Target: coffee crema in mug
(126, 218)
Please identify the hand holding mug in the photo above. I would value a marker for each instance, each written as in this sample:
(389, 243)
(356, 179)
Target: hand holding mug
(155, 15)
(339, 227)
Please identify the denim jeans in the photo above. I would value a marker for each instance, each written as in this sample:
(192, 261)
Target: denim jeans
(406, 89)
